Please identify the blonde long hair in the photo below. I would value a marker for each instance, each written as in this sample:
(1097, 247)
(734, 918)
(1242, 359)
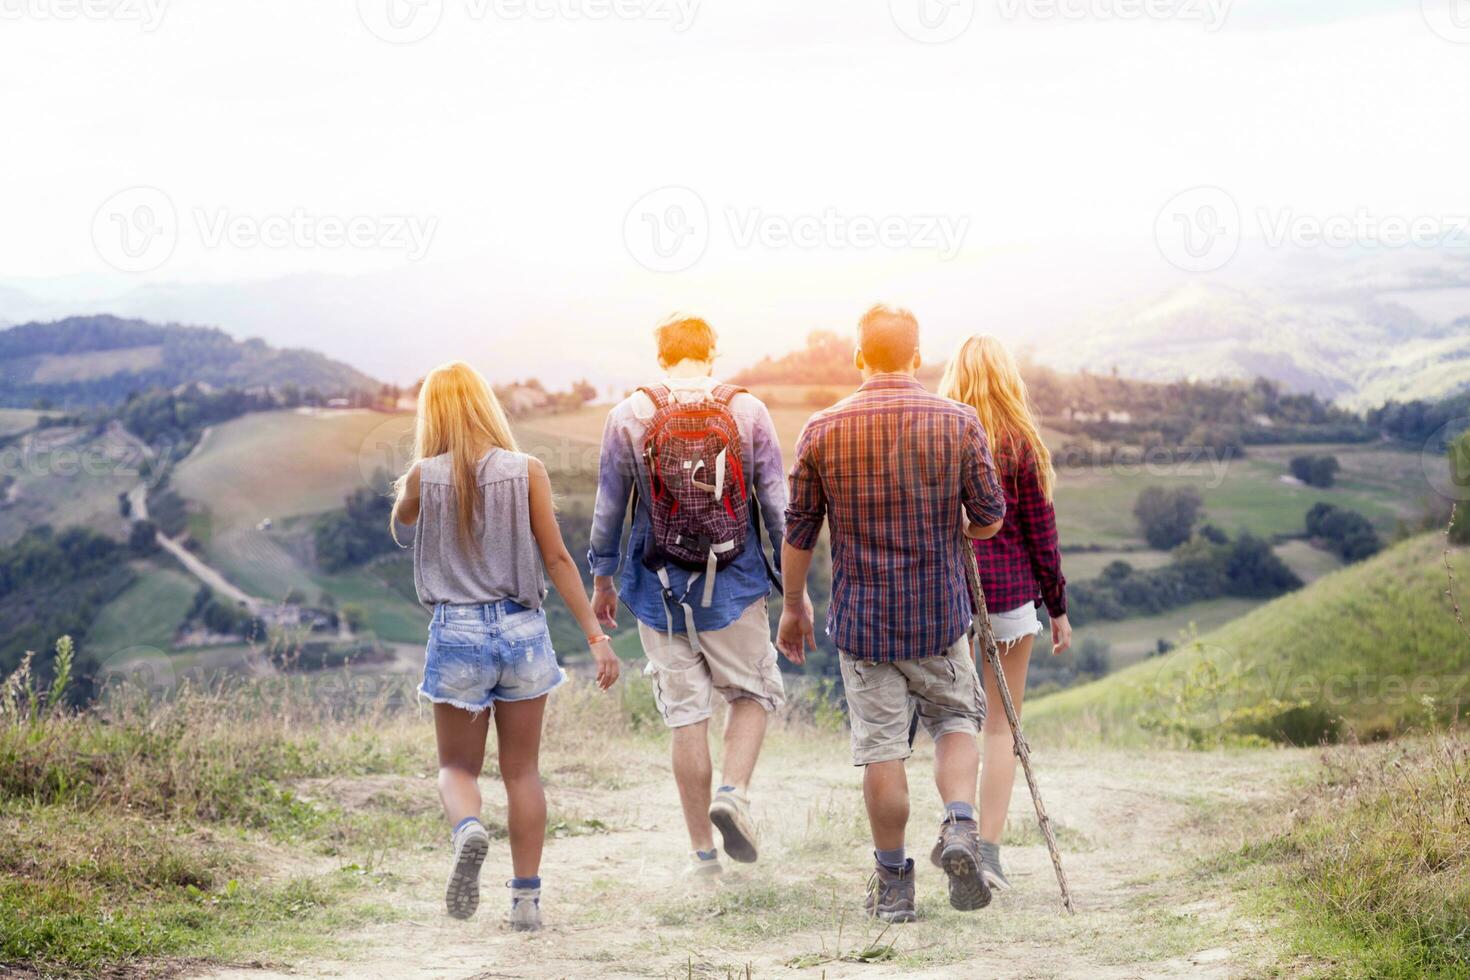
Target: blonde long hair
(984, 375)
(458, 414)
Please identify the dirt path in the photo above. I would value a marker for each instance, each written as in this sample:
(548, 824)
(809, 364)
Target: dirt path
(1131, 827)
(138, 497)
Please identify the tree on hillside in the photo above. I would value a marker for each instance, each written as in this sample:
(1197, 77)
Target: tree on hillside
(1167, 517)
(1093, 658)
(1315, 471)
(1254, 571)
(1460, 475)
(1343, 531)
(143, 538)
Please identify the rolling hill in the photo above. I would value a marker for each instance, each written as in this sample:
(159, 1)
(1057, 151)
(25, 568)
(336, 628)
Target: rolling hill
(1358, 346)
(1361, 649)
(99, 360)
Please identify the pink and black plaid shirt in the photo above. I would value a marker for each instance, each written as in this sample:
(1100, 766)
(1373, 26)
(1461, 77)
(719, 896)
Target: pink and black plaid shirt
(1022, 563)
(889, 467)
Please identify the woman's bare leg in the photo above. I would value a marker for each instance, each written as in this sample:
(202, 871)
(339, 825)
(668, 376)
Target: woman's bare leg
(518, 731)
(461, 739)
(998, 773)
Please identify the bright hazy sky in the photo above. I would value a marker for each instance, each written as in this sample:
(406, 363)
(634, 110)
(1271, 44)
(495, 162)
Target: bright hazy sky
(523, 142)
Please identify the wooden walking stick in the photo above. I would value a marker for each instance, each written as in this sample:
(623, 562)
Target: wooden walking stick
(986, 638)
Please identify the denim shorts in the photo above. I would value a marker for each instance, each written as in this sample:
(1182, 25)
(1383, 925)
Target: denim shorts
(1014, 625)
(481, 654)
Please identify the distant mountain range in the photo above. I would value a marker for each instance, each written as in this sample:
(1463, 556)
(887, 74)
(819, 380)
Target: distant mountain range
(101, 359)
(1359, 327)
(1360, 343)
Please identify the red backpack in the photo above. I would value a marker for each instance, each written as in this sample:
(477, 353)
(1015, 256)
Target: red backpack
(698, 495)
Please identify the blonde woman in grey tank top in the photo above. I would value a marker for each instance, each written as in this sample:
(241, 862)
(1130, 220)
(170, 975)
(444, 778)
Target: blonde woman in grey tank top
(485, 527)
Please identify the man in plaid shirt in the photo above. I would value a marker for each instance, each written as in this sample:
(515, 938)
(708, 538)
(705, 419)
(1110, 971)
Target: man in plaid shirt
(898, 473)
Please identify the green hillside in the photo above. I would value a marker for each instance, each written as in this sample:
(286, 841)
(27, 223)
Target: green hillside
(1365, 645)
(67, 475)
(100, 360)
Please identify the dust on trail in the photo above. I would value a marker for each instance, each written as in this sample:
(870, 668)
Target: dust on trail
(1132, 826)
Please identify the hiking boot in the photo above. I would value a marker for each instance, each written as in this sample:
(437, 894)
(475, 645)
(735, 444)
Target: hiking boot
(990, 867)
(730, 813)
(525, 909)
(959, 856)
(891, 893)
(462, 896)
(703, 868)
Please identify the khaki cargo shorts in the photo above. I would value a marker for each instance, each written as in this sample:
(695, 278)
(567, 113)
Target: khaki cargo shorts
(945, 689)
(739, 661)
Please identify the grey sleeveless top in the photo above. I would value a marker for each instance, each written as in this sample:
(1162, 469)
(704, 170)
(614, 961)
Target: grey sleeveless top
(501, 560)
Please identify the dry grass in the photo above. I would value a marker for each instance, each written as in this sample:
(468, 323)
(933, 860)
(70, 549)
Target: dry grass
(1375, 864)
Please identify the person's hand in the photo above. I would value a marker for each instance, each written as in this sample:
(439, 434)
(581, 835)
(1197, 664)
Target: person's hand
(605, 602)
(795, 635)
(608, 664)
(1061, 635)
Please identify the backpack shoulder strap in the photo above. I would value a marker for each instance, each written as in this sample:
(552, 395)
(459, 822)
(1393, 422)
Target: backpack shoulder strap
(725, 394)
(658, 394)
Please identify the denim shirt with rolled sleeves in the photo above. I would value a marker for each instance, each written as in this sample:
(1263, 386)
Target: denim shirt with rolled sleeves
(620, 469)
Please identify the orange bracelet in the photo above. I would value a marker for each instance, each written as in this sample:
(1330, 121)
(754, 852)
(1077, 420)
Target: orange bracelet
(600, 638)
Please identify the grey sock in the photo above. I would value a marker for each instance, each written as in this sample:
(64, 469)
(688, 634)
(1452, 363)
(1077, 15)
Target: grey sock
(893, 860)
(960, 810)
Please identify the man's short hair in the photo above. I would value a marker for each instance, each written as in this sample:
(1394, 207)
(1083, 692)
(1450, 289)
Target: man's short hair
(684, 338)
(888, 338)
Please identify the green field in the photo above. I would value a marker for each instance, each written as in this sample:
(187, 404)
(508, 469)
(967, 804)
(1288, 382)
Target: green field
(1079, 566)
(146, 614)
(1309, 562)
(1130, 640)
(283, 464)
(68, 477)
(1095, 506)
(1366, 644)
(15, 420)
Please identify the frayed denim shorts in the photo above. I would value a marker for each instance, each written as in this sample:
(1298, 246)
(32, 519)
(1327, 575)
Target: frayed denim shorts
(1014, 625)
(481, 654)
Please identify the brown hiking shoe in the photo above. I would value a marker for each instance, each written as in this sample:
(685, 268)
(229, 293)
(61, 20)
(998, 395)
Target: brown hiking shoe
(958, 853)
(891, 893)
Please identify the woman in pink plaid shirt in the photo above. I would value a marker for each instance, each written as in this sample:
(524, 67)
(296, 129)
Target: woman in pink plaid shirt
(1018, 567)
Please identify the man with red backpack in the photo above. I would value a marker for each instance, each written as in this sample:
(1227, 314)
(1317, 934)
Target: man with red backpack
(701, 465)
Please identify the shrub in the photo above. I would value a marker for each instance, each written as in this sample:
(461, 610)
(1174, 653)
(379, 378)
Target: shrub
(1167, 517)
(143, 538)
(1343, 531)
(1459, 452)
(1315, 471)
